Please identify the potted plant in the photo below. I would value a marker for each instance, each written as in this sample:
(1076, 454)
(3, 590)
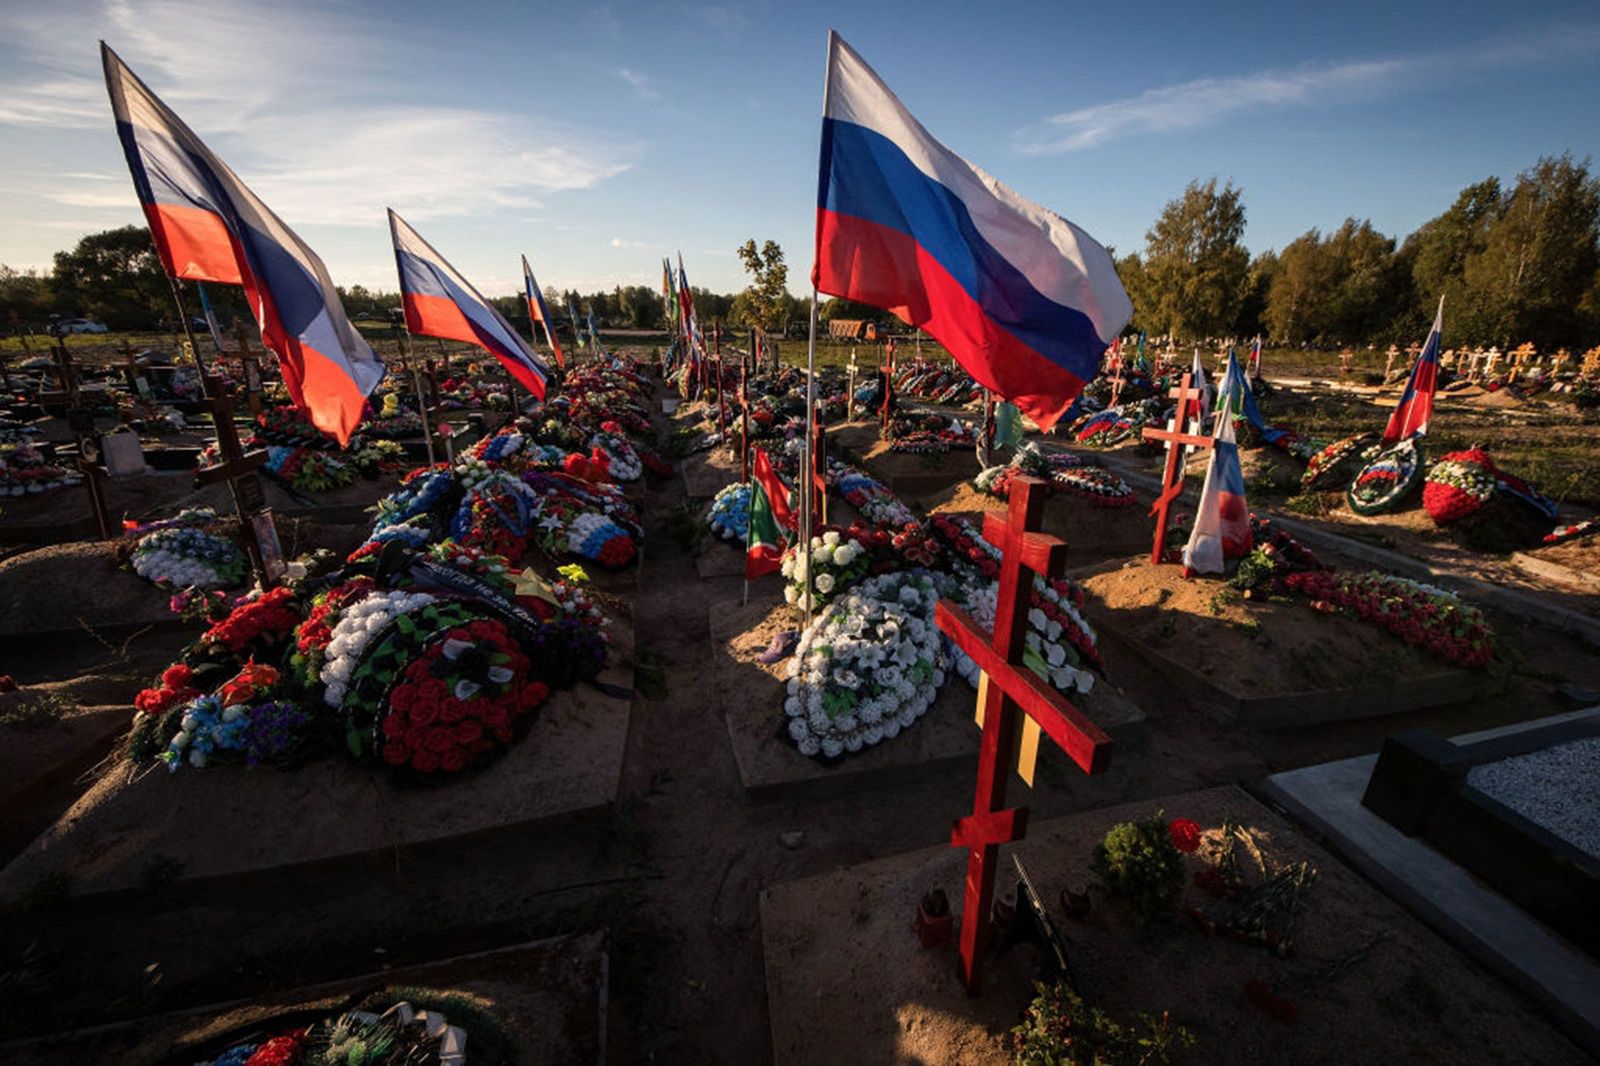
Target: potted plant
(935, 923)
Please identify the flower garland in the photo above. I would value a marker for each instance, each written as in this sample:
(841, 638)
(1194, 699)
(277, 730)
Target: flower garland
(1421, 615)
(729, 516)
(624, 464)
(1048, 648)
(255, 622)
(1334, 464)
(359, 624)
(1098, 485)
(837, 562)
(184, 557)
(1562, 534)
(420, 492)
(1458, 485)
(867, 667)
(24, 470)
(1388, 477)
(308, 468)
(869, 496)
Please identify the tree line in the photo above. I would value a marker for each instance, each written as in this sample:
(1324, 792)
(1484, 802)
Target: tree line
(1514, 263)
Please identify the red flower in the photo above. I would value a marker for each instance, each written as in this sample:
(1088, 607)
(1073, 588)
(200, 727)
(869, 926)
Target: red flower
(395, 753)
(440, 740)
(453, 761)
(1185, 834)
(425, 761)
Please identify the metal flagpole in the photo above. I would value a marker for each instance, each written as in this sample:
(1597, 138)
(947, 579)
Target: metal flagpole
(806, 467)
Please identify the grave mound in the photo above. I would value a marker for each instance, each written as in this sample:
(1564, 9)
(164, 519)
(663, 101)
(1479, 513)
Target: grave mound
(1266, 663)
(1092, 532)
(1369, 982)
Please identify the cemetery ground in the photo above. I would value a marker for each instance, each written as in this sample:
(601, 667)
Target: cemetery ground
(712, 902)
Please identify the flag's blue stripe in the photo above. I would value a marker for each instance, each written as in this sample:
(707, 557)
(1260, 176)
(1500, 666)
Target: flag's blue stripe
(418, 275)
(868, 176)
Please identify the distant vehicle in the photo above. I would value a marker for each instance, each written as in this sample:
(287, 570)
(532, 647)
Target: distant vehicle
(365, 316)
(82, 325)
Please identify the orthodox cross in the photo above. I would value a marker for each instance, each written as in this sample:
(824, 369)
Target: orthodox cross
(249, 367)
(81, 421)
(1116, 380)
(1006, 688)
(1188, 407)
(238, 468)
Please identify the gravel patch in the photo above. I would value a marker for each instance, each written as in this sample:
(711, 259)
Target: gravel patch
(1557, 788)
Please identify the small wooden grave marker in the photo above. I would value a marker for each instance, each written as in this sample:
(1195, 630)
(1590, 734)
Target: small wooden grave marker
(238, 469)
(1007, 687)
(888, 381)
(1188, 406)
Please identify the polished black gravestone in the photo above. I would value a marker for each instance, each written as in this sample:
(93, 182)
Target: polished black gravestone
(1421, 785)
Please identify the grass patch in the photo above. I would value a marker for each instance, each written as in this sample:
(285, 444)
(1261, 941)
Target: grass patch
(650, 674)
(686, 526)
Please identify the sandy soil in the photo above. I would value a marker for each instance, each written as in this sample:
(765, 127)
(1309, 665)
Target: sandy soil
(1403, 995)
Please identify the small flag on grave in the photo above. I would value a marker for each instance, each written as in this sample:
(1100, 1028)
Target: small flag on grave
(765, 544)
(208, 226)
(1023, 299)
(1222, 521)
(540, 313)
(439, 302)
(777, 491)
(1411, 414)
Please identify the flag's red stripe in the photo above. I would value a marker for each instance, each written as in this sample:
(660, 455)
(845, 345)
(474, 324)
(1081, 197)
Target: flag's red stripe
(195, 243)
(874, 264)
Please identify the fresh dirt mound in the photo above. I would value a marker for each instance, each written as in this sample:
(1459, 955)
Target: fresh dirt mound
(1582, 555)
(1253, 647)
(1091, 532)
(63, 587)
(1497, 398)
(1270, 467)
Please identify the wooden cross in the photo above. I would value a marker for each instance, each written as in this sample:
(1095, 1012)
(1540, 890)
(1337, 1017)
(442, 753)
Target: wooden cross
(819, 469)
(888, 380)
(1188, 398)
(249, 367)
(1116, 380)
(81, 421)
(744, 408)
(1006, 688)
(722, 407)
(238, 469)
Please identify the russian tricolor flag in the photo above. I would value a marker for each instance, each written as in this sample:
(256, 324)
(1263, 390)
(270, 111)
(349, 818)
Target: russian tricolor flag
(208, 226)
(538, 312)
(1410, 418)
(1222, 521)
(1023, 299)
(439, 302)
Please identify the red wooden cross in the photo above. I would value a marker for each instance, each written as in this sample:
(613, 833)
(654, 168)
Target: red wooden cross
(744, 410)
(1188, 407)
(1010, 687)
(1116, 380)
(819, 470)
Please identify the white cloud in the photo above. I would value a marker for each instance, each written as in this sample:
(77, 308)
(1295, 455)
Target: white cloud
(623, 242)
(1206, 101)
(336, 155)
(641, 83)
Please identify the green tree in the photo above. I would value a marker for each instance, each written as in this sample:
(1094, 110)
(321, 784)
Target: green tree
(1253, 303)
(1297, 296)
(763, 304)
(25, 299)
(1539, 256)
(1196, 263)
(1366, 287)
(1438, 251)
(1136, 282)
(114, 276)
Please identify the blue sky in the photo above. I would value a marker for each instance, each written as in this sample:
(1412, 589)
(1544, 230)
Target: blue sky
(597, 137)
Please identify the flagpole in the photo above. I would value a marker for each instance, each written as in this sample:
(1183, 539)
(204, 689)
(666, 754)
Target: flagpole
(806, 462)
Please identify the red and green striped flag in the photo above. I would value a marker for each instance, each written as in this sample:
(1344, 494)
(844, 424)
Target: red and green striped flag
(769, 507)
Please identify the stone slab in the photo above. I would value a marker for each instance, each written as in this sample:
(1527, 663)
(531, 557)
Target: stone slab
(1327, 798)
(227, 820)
(844, 968)
(771, 768)
(549, 996)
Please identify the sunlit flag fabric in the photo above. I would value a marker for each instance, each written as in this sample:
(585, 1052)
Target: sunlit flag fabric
(777, 492)
(764, 543)
(577, 330)
(439, 302)
(540, 313)
(1410, 418)
(1234, 395)
(208, 226)
(1024, 300)
(1222, 521)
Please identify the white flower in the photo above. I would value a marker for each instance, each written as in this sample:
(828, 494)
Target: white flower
(790, 594)
(809, 746)
(832, 748)
(1054, 654)
(1036, 618)
(821, 555)
(798, 730)
(824, 583)
(831, 538)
